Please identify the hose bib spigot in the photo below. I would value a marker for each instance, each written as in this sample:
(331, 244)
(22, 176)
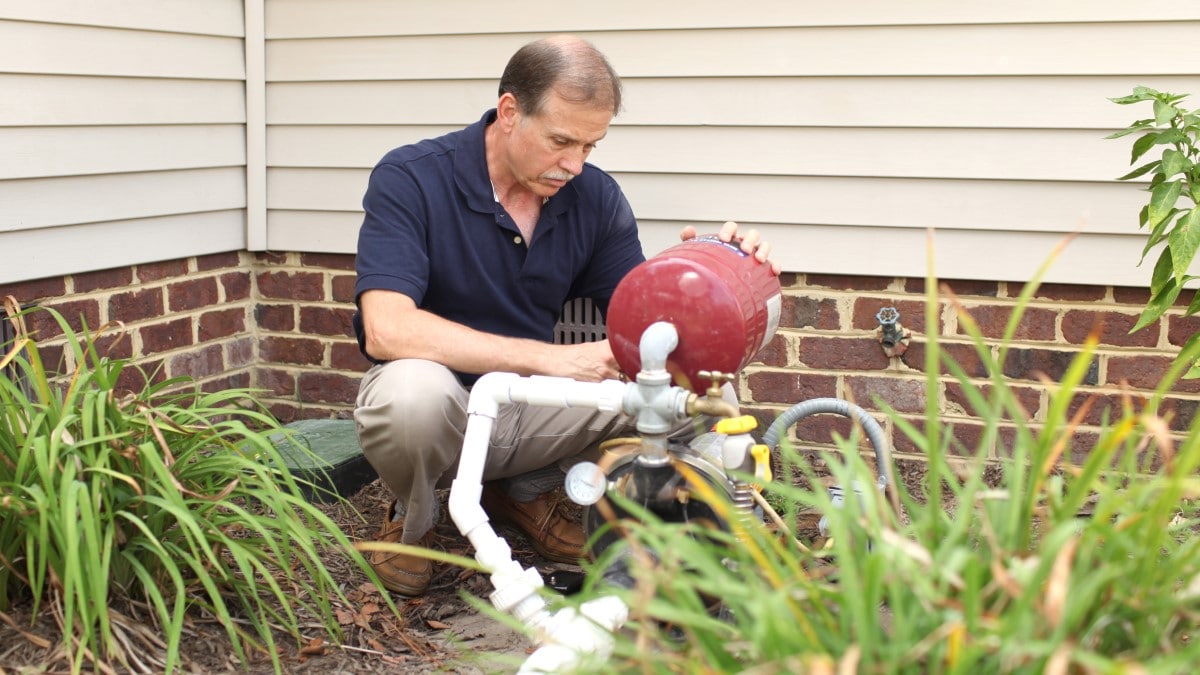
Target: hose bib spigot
(891, 334)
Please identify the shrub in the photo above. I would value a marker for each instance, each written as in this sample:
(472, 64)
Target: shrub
(169, 497)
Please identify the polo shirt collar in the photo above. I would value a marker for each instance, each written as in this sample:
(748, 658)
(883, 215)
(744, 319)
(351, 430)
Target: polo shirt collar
(471, 174)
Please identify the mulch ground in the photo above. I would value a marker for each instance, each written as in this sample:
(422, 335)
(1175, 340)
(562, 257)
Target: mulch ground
(438, 632)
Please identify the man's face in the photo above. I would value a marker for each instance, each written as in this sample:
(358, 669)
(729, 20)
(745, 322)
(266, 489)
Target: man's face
(548, 149)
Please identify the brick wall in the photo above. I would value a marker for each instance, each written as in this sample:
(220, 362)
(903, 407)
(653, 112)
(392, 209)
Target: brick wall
(828, 345)
(309, 363)
(282, 323)
(181, 317)
(277, 322)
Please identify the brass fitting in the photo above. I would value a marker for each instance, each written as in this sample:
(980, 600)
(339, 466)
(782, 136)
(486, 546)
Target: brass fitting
(712, 403)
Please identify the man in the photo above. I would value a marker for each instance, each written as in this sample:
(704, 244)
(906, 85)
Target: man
(471, 244)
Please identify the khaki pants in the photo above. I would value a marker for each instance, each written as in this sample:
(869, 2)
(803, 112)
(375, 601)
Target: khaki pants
(411, 415)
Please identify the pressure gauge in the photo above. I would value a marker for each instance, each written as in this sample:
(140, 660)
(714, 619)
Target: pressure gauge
(586, 483)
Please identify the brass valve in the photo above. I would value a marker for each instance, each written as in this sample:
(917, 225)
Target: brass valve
(713, 403)
(715, 379)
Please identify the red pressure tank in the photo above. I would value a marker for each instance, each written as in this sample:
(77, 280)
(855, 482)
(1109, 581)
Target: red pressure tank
(723, 303)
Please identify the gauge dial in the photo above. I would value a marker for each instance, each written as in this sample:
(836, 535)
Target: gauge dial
(586, 483)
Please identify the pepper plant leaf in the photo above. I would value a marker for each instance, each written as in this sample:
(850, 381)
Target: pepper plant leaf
(1142, 145)
(1139, 94)
(1141, 170)
(1162, 201)
(1164, 291)
(1164, 112)
(1173, 162)
(1183, 242)
(1132, 128)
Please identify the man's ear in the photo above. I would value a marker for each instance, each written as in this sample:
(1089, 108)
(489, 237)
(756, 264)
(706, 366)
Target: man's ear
(508, 112)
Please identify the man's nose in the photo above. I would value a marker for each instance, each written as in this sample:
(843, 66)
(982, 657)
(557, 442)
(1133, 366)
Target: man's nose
(572, 161)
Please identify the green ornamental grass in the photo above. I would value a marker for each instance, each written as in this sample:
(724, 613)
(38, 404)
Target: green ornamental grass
(167, 498)
(1053, 568)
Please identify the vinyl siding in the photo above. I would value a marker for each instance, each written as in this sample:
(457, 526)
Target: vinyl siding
(847, 134)
(122, 128)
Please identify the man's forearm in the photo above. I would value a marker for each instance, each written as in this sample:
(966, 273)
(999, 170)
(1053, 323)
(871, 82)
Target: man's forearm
(423, 335)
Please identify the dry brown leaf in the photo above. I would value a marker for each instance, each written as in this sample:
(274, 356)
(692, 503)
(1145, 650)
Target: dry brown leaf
(437, 625)
(1059, 582)
(315, 647)
(344, 617)
(1005, 580)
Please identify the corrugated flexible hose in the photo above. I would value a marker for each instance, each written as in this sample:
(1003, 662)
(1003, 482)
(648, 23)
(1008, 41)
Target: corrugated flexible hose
(815, 406)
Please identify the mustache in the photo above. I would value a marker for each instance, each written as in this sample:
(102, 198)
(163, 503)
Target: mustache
(558, 175)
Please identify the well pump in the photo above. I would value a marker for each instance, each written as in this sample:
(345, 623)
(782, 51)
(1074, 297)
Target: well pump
(684, 322)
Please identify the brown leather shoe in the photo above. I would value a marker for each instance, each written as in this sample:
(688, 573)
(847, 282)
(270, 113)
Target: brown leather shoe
(550, 533)
(400, 572)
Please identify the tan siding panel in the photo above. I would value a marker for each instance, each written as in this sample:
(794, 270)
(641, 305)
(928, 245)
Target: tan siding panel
(1051, 49)
(996, 102)
(61, 100)
(52, 202)
(35, 254)
(1008, 206)
(84, 50)
(899, 203)
(1047, 49)
(404, 58)
(316, 231)
(341, 146)
(316, 18)
(829, 249)
(456, 103)
(928, 102)
(32, 152)
(204, 17)
(316, 189)
(1014, 154)
(1102, 259)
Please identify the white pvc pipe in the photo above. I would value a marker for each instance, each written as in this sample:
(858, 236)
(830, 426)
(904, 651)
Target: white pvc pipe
(573, 634)
(564, 636)
(658, 340)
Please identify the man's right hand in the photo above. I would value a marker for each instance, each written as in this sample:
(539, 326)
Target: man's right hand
(397, 329)
(587, 362)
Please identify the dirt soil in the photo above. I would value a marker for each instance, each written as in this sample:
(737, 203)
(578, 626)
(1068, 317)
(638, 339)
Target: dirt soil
(438, 632)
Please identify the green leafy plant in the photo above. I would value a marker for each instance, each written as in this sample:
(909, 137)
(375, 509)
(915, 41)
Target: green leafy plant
(1052, 567)
(167, 498)
(1174, 180)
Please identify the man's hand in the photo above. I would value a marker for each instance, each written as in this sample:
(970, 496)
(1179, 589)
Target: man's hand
(586, 362)
(396, 329)
(751, 242)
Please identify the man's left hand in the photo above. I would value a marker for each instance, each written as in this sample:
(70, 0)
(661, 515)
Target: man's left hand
(751, 242)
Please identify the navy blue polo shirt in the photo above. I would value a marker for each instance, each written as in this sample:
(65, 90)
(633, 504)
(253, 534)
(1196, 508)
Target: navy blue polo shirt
(434, 232)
